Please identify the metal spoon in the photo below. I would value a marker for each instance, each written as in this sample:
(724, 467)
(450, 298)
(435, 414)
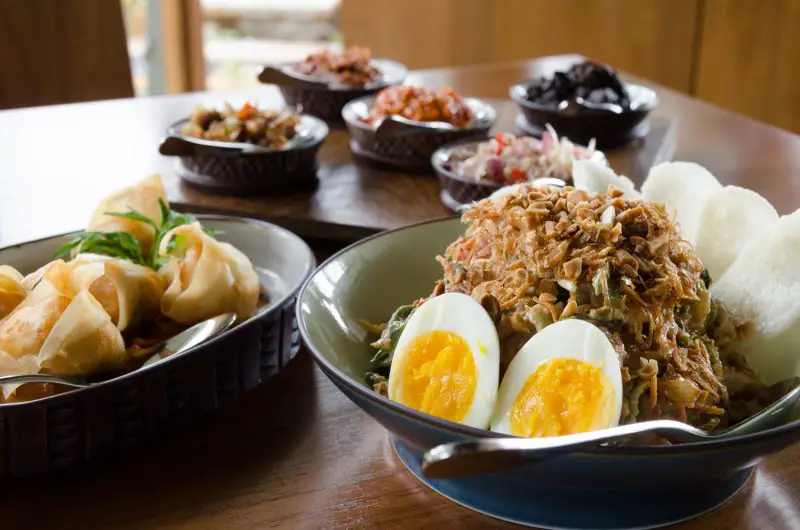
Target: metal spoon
(393, 125)
(183, 341)
(492, 455)
(282, 75)
(579, 104)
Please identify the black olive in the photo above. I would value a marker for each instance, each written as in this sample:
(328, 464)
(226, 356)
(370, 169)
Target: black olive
(594, 82)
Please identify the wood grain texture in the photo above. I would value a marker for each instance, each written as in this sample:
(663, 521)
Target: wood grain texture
(62, 51)
(748, 59)
(418, 33)
(297, 453)
(653, 39)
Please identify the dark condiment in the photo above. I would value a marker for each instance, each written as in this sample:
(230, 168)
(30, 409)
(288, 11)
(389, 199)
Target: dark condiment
(595, 83)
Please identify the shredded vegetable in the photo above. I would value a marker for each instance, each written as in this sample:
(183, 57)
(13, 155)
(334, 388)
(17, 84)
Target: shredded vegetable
(508, 159)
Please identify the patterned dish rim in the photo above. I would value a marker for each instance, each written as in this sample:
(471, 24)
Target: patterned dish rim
(645, 100)
(355, 111)
(392, 73)
(311, 130)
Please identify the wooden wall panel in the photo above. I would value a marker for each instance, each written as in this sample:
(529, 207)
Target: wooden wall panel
(182, 46)
(61, 51)
(651, 38)
(419, 33)
(749, 59)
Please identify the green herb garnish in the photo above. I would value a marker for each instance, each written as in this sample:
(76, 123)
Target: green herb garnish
(126, 246)
(382, 360)
(115, 244)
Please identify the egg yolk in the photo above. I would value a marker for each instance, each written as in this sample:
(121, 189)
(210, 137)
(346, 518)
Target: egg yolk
(438, 376)
(562, 396)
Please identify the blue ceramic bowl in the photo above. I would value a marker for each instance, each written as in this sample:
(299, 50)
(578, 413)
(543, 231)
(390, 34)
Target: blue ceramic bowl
(604, 487)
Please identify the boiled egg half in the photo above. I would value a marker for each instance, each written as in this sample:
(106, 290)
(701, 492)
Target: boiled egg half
(566, 379)
(447, 361)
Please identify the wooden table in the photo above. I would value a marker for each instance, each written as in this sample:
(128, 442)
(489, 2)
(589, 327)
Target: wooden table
(296, 453)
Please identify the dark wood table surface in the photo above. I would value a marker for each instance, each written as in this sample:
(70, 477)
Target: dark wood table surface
(296, 453)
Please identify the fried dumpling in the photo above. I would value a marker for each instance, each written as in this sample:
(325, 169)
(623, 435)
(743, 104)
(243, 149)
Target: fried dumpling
(128, 292)
(142, 197)
(83, 340)
(12, 290)
(63, 326)
(10, 365)
(205, 277)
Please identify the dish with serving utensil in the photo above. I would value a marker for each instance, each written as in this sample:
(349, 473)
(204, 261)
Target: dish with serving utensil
(586, 101)
(635, 485)
(472, 170)
(326, 81)
(246, 150)
(399, 135)
(131, 281)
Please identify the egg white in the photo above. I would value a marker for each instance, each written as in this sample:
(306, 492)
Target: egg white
(461, 315)
(567, 339)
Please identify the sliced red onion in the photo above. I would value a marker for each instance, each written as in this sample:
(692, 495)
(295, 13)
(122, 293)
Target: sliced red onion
(547, 141)
(494, 169)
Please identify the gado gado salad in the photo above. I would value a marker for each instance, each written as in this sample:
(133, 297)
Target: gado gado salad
(563, 310)
(138, 275)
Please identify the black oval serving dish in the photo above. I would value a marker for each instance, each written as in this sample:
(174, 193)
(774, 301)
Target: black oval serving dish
(68, 429)
(321, 99)
(402, 142)
(235, 167)
(581, 123)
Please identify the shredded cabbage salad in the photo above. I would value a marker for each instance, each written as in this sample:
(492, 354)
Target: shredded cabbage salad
(508, 159)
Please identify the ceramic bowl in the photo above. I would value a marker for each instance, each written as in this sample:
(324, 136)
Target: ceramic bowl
(609, 129)
(71, 428)
(603, 487)
(242, 168)
(324, 101)
(458, 191)
(407, 143)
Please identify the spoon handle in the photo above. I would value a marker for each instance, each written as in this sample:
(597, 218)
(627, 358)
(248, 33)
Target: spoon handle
(392, 125)
(276, 75)
(41, 378)
(491, 455)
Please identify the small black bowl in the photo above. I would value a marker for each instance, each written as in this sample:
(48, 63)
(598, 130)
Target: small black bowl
(322, 100)
(457, 191)
(580, 124)
(403, 142)
(238, 168)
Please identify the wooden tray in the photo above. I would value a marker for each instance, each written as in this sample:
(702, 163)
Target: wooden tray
(355, 199)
